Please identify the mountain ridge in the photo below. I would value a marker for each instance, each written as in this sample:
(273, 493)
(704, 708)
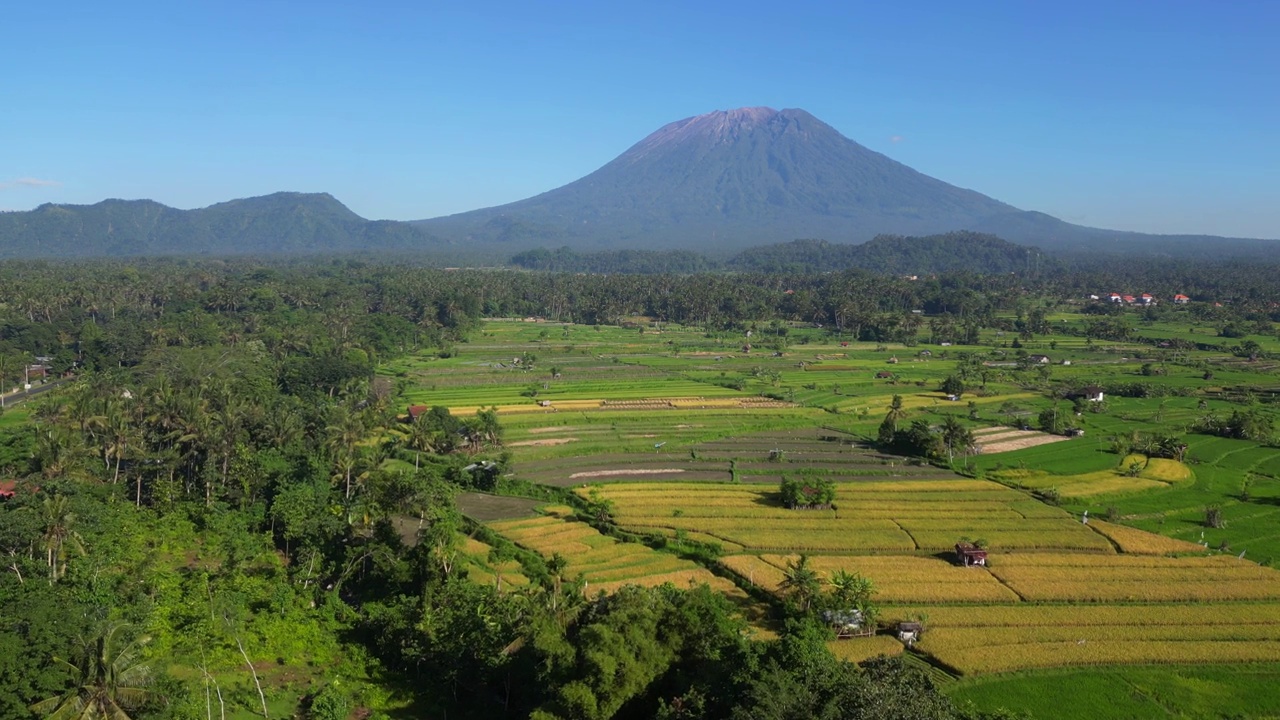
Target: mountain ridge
(279, 223)
(731, 179)
(716, 183)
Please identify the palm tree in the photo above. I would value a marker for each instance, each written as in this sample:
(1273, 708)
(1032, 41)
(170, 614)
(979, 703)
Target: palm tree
(956, 437)
(344, 433)
(109, 678)
(896, 412)
(57, 521)
(801, 582)
(852, 591)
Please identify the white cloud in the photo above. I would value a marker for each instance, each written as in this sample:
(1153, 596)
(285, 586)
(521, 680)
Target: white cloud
(895, 139)
(28, 182)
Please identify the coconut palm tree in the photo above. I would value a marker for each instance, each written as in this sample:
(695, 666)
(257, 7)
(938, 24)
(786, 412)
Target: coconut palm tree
(801, 582)
(59, 534)
(108, 679)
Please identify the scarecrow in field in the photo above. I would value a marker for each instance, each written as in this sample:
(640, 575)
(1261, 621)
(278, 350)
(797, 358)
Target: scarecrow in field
(1085, 518)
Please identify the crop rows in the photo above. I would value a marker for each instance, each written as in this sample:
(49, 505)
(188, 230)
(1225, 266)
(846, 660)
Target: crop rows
(1173, 583)
(604, 564)
(1012, 637)
(800, 534)
(898, 579)
(1029, 615)
(1141, 542)
(1083, 652)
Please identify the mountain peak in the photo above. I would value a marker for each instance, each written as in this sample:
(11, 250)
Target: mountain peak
(717, 126)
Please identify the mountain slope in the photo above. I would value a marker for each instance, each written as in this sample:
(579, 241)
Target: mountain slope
(271, 224)
(731, 179)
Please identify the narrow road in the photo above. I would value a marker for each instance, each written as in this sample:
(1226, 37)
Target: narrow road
(25, 395)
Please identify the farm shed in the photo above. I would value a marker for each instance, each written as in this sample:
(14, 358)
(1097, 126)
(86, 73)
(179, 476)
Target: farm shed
(415, 411)
(848, 623)
(970, 555)
(1042, 359)
(1092, 393)
(909, 632)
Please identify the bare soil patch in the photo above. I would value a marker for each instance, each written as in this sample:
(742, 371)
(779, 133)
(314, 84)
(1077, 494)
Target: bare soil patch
(487, 508)
(1021, 443)
(543, 441)
(551, 429)
(629, 471)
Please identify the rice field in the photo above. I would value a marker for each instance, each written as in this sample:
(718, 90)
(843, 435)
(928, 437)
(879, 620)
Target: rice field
(687, 446)
(1000, 639)
(602, 563)
(869, 516)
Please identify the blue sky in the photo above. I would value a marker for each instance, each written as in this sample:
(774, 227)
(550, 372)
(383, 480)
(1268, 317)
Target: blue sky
(1159, 116)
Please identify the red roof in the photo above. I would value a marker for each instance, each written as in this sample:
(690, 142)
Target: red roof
(1180, 296)
(8, 488)
(416, 410)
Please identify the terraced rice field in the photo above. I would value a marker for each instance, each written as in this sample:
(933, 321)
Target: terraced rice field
(998, 639)
(480, 569)
(1154, 474)
(869, 516)
(604, 564)
(678, 453)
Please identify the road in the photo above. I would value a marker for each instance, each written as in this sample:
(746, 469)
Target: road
(25, 395)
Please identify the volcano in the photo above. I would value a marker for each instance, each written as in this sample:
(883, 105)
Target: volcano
(730, 179)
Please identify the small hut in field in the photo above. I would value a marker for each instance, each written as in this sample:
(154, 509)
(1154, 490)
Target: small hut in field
(970, 555)
(909, 632)
(848, 623)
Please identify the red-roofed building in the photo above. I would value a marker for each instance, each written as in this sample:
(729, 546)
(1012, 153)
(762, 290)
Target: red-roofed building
(416, 410)
(1115, 297)
(1130, 299)
(8, 488)
(1181, 299)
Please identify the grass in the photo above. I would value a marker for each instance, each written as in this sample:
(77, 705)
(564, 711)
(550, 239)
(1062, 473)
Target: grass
(1193, 691)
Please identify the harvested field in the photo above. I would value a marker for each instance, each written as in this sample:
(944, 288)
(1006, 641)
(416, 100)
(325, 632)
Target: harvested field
(483, 507)
(542, 442)
(1019, 443)
(634, 471)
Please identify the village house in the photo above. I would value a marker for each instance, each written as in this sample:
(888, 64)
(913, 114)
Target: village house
(1181, 299)
(1039, 359)
(415, 411)
(1148, 299)
(1129, 299)
(1093, 393)
(1115, 297)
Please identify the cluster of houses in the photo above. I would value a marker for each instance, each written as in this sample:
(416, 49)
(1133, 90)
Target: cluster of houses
(1143, 299)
